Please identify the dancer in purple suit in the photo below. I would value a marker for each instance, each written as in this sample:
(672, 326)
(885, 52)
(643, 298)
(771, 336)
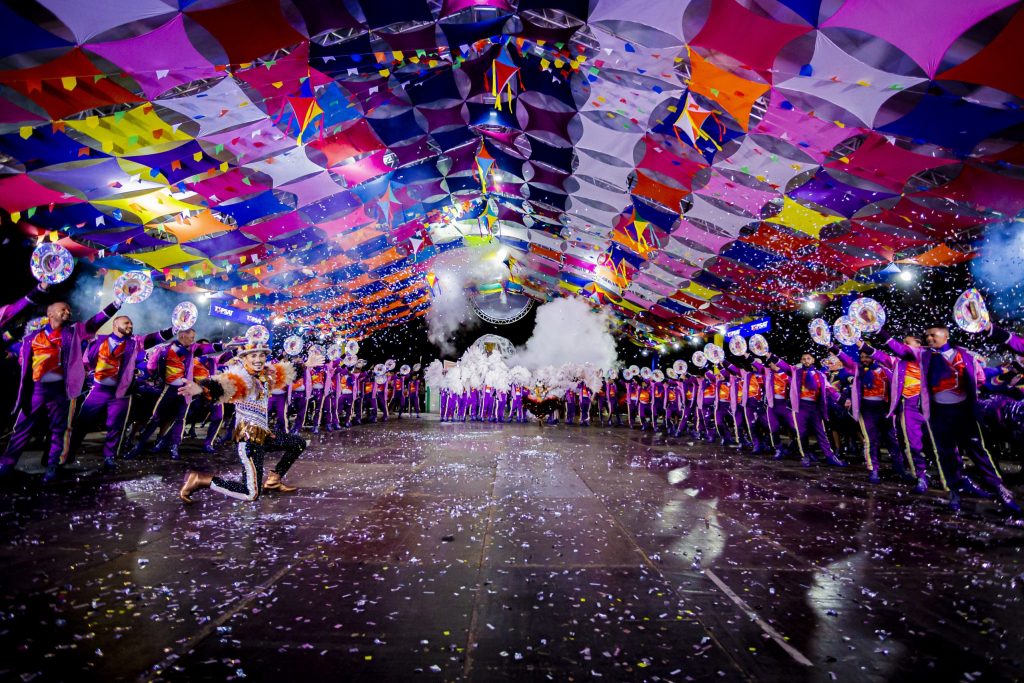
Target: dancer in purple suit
(751, 402)
(345, 388)
(906, 406)
(586, 398)
(519, 394)
(808, 396)
(175, 364)
(571, 405)
(609, 400)
(111, 359)
(949, 392)
(869, 404)
(632, 401)
(488, 415)
(277, 407)
(52, 376)
(725, 408)
(502, 409)
(215, 364)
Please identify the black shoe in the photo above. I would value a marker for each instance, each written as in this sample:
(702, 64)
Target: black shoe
(51, 474)
(968, 488)
(1007, 502)
(834, 461)
(779, 454)
(874, 477)
(109, 464)
(922, 484)
(954, 501)
(174, 453)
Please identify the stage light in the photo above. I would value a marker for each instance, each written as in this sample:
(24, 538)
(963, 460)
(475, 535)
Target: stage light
(675, 346)
(905, 276)
(279, 319)
(811, 305)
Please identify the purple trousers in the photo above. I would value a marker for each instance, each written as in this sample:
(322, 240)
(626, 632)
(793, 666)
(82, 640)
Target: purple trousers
(277, 409)
(316, 397)
(778, 416)
(102, 407)
(755, 421)
(706, 425)
(518, 410)
(955, 433)
(879, 429)
(331, 410)
(345, 409)
(570, 409)
(216, 421)
(809, 419)
(357, 408)
(643, 412)
(170, 407)
(585, 410)
(49, 406)
(912, 429)
(502, 407)
(725, 421)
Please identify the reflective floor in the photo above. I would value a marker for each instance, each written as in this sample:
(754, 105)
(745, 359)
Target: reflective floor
(428, 551)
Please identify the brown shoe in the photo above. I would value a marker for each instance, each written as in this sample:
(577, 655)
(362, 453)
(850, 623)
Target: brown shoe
(193, 482)
(274, 483)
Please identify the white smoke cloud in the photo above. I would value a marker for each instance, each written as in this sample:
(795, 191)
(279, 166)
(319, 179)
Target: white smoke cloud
(569, 332)
(571, 342)
(450, 309)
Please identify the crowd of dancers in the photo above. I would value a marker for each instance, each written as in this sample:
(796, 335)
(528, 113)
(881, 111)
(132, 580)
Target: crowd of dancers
(146, 393)
(932, 406)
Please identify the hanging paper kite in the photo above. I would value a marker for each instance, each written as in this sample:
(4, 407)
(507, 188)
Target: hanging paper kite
(503, 76)
(307, 113)
(484, 162)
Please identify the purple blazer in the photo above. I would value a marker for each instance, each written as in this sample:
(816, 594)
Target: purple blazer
(73, 339)
(796, 376)
(923, 355)
(743, 390)
(727, 375)
(853, 367)
(768, 382)
(1011, 340)
(12, 310)
(307, 378)
(158, 363)
(126, 374)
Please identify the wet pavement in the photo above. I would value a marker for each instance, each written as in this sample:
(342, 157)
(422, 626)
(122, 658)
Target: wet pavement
(425, 551)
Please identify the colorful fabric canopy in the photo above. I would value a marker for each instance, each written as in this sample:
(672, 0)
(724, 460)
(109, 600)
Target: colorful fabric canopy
(683, 164)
